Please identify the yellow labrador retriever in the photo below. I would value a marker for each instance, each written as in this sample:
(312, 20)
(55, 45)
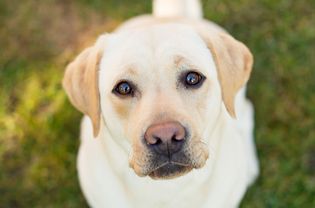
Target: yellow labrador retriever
(164, 98)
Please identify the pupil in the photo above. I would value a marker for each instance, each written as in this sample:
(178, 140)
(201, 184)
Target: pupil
(192, 78)
(124, 88)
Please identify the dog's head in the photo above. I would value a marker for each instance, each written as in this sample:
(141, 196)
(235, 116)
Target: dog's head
(161, 89)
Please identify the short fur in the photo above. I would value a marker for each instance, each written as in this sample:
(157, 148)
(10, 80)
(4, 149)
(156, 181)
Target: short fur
(153, 52)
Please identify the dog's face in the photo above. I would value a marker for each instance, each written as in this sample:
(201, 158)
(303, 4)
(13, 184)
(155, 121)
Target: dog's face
(159, 89)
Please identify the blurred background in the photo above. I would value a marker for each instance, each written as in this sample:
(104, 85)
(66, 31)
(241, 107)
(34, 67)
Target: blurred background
(39, 128)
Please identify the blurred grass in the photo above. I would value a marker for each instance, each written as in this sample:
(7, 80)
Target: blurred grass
(39, 128)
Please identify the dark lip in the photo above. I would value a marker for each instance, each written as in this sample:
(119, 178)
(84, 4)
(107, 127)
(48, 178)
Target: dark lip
(170, 169)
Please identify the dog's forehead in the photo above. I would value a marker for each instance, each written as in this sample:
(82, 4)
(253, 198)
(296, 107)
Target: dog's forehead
(155, 42)
(154, 47)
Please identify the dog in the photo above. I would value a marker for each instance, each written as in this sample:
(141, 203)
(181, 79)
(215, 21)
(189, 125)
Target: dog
(166, 123)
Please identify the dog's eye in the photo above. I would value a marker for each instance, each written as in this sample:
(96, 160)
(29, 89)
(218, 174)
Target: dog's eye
(193, 79)
(123, 88)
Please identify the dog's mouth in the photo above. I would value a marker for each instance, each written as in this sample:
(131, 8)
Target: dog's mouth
(170, 170)
(160, 167)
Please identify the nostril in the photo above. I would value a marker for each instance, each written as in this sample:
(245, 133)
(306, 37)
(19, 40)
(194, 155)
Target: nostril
(157, 141)
(176, 143)
(175, 139)
(153, 140)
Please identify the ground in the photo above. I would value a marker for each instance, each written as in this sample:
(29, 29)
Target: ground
(39, 127)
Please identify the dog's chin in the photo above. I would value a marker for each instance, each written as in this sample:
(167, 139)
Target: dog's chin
(170, 171)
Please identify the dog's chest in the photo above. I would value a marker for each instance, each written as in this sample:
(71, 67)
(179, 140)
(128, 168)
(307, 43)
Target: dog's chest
(188, 191)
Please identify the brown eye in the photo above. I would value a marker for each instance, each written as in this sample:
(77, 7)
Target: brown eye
(123, 88)
(193, 79)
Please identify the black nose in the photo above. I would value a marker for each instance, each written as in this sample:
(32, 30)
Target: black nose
(165, 138)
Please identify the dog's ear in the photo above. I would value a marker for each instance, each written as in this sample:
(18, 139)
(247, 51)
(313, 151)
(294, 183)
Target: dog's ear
(81, 83)
(234, 64)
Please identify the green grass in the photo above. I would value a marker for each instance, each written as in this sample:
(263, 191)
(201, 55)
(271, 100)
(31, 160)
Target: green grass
(39, 128)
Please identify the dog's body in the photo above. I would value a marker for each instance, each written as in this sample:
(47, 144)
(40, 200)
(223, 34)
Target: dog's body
(103, 163)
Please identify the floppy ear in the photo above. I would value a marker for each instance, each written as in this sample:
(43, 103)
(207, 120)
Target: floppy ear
(234, 64)
(81, 84)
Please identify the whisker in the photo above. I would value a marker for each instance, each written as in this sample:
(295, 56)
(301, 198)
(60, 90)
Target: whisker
(179, 163)
(159, 166)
